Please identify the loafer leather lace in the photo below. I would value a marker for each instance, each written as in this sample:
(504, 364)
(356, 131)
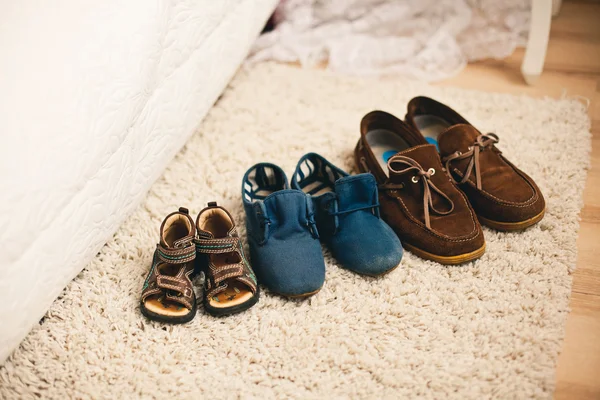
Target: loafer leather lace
(419, 175)
(481, 143)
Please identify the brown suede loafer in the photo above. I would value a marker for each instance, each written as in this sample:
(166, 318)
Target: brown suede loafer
(503, 196)
(428, 212)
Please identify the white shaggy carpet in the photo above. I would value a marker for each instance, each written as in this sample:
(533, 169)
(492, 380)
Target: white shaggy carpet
(491, 328)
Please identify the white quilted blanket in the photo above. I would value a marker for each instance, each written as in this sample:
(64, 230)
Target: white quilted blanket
(95, 100)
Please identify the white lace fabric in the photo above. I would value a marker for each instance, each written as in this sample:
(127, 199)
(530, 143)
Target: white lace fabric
(426, 39)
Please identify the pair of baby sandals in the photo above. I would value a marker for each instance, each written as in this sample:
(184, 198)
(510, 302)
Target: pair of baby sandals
(210, 245)
(286, 224)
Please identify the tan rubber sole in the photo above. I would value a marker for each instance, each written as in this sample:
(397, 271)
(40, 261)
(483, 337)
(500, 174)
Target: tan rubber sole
(300, 296)
(447, 260)
(384, 273)
(512, 226)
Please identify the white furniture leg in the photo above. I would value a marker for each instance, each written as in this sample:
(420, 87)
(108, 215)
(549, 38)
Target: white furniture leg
(539, 32)
(556, 7)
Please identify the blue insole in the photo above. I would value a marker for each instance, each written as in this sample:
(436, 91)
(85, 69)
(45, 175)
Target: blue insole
(388, 154)
(432, 141)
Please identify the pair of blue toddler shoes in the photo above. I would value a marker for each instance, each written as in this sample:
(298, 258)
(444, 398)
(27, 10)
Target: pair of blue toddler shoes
(285, 225)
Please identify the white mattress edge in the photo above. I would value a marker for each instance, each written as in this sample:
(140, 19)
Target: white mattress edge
(72, 260)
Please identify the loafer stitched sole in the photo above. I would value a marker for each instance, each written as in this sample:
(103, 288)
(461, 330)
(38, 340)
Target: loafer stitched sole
(512, 226)
(447, 260)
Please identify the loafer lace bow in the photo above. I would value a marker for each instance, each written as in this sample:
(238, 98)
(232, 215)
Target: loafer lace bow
(420, 174)
(481, 143)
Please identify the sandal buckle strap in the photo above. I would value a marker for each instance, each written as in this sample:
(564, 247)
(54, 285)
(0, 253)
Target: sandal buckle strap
(217, 246)
(173, 283)
(177, 255)
(179, 285)
(230, 271)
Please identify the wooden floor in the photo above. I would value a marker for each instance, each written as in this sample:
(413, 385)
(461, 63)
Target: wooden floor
(573, 69)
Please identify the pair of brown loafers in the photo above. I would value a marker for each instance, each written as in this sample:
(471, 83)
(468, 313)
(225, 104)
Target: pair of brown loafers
(439, 178)
(210, 245)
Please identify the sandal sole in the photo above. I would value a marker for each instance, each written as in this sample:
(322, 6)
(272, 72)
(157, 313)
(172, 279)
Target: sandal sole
(512, 226)
(167, 319)
(223, 312)
(446, 260)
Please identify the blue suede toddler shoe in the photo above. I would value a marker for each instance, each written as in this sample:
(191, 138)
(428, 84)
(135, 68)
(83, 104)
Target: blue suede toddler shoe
(347, 216)
(282, 233)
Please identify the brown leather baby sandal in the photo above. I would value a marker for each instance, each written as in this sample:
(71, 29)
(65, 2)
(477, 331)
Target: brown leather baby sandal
(503, 196)
(230, 284)
(428, 212)
(168, 293)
